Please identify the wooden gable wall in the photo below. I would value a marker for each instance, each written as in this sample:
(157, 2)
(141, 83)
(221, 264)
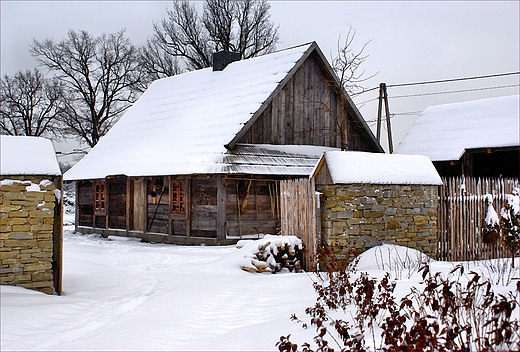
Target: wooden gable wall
(304, 113)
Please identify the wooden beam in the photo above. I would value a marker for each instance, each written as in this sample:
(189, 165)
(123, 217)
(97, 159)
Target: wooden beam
(57, 237)
(221, 209)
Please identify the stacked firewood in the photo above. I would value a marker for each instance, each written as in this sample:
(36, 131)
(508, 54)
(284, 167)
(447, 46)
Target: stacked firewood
(272, 254)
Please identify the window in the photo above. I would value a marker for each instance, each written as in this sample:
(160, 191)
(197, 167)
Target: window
(178, 196)
(99, 196)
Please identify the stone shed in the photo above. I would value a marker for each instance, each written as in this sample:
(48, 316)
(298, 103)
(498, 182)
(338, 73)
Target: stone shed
(31, 213)
(368, 199)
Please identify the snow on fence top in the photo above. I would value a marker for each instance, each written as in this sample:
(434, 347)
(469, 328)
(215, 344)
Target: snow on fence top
(28, 156)
(181, 124)
(362, 167)
(444, 132)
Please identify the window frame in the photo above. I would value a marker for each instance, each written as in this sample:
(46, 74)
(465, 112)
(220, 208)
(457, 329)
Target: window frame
(179, 188)
(100, 197)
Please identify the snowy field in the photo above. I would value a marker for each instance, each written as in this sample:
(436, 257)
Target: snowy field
(125, 295)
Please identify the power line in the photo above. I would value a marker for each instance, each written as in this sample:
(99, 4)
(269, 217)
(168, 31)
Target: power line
(441, 81)
(454, 91)
(445, 92)
(453, 79)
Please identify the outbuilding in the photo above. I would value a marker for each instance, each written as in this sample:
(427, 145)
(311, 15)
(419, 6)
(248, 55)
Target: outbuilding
(369, 198)
(31, 208)
(474, 138)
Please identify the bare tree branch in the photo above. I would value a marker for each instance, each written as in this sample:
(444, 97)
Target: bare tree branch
(238, 26)
(31, 105)
(99, 76)
(347, 63)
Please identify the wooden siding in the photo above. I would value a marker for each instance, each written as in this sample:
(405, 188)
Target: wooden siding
(141, 207)
(85, 202)
(203, 209)
(304, 112)
(157, 205)
(299, 214)
(116, 207)
(251, 207)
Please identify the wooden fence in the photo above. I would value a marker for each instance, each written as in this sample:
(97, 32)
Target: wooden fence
(299, 215)
(462, 210)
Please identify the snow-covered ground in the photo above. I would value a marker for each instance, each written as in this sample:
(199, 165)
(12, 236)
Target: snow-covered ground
(120, 294)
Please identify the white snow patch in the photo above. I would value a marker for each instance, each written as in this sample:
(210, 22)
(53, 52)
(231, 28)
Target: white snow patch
(377, 168)
(491, 214)
(27, 156)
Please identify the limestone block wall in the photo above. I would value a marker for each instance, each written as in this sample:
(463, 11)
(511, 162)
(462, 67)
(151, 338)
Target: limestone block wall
(356, 217)
(27, 222)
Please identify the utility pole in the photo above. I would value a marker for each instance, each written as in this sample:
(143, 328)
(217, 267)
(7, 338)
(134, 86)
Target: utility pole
(383, 98)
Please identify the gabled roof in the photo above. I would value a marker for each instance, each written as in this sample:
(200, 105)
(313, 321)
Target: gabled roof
(347, 167)
(444, 132)
(183, 124)
(27, 156)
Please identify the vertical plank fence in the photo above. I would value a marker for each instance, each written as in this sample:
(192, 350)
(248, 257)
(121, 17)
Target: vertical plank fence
(298, 210)
(462, 210)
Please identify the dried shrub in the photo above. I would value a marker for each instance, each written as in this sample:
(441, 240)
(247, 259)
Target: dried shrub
(443, 314)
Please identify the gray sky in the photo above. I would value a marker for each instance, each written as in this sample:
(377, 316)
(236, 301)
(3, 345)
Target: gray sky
(410, 41)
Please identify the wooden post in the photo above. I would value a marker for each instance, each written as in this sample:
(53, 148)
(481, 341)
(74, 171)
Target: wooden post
(221, 209)
(128, 199)
(57, 237)
(383, 98)
(388, 125)
(379, 111)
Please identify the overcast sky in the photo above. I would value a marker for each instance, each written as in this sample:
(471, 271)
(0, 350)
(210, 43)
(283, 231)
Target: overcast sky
(410, 41)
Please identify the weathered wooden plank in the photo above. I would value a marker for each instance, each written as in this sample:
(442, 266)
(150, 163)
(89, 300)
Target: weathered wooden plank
(299, 99)
(289, 112)
(462, 209)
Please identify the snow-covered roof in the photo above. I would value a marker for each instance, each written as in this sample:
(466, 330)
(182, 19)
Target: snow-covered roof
(377, 168)
(444, 132)
(27, 156)
(181, 124)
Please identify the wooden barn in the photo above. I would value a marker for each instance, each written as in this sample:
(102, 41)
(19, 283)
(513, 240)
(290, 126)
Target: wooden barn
(199, 157)
(476, 138)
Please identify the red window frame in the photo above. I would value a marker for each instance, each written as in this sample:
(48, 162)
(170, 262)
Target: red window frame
(99, 196)
(178, 196)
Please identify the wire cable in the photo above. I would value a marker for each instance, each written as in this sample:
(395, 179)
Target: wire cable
(452, 79)
(440, 81)
(453, 91)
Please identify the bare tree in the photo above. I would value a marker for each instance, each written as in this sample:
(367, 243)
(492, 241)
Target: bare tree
(98, 76)
(239, 26)
(31, 105)
(347, 64)
(155, 63)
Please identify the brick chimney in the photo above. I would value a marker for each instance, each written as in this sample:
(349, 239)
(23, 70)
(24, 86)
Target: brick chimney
(223, 58)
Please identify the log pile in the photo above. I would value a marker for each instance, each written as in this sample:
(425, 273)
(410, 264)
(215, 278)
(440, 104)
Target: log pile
(272, 254)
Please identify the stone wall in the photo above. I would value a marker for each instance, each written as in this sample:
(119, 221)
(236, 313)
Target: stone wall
(27, 210)
(356, 217)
